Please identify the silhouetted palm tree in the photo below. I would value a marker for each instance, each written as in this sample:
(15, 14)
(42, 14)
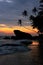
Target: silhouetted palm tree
(38, 20)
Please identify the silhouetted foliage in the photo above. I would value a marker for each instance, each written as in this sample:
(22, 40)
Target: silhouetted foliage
(20, 22)
(38, 20)
(25, 13)
(34, 10)
(32, 17)
(41, 1)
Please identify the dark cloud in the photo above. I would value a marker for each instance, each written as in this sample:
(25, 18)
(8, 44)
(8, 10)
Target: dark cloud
(10, 11)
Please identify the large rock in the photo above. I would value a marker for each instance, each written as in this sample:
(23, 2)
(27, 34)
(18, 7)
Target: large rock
(22, 35)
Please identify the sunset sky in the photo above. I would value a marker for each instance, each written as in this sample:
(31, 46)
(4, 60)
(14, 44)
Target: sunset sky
(11, 11)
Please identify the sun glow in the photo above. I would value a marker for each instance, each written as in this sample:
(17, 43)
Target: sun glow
(35, 43)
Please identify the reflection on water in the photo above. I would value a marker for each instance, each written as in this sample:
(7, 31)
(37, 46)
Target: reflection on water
(32, 57)
(35, 43)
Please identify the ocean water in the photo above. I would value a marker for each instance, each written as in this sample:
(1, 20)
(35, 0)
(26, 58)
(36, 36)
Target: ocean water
(20, 55)
(7, 49)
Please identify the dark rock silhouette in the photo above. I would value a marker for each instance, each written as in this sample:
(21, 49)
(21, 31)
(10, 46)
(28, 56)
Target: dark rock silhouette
(22, 35)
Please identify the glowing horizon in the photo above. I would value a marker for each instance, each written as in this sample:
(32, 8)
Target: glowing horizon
(11, 12)
(7, 30)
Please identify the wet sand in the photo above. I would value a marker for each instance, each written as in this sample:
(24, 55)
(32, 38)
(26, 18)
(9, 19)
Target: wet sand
(32, 57)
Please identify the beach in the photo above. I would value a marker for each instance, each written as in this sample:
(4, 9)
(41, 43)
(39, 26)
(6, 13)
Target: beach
(31, 57)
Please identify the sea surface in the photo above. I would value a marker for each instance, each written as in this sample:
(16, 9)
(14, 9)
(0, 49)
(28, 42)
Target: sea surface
(20, 55)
